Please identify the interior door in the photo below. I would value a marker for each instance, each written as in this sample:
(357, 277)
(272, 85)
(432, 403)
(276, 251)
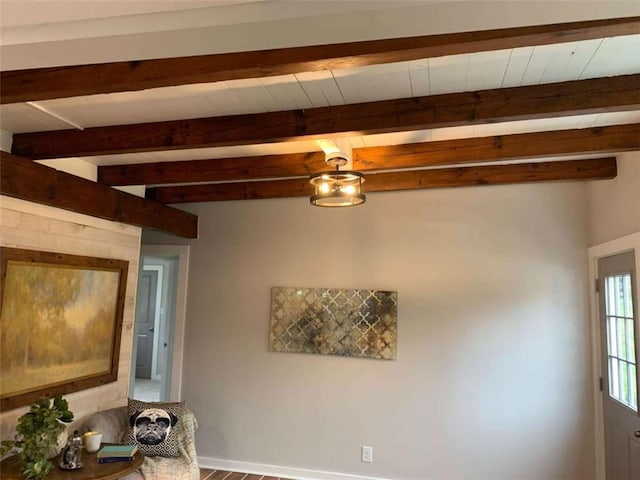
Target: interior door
(145, 319)
(618, 294)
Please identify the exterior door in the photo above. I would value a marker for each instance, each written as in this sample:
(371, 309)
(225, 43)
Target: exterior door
(618, 292)
(145, 319)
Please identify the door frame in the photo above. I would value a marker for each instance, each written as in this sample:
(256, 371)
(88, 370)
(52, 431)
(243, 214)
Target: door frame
(156, 319)
(613, 247)
(182, 254)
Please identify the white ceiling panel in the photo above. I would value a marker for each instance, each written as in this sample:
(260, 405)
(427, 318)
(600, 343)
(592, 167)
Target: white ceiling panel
(222, 100)
(320, 88)
(545, 58)
(419, 78)
(487, 69)
(570, 62)
(519, 59)
(20, 117)
(253, 95)
(357, 142)
(376, 82)
(563, 63)
(615, 56)
(287, 92)
(448, 74)
(615, 118)
(398, 138)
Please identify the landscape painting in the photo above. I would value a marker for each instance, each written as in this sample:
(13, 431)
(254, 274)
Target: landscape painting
(60, 323)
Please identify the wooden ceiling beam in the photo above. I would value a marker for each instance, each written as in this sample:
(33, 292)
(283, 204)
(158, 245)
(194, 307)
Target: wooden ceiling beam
(598, 140)
(27, 180)
(498, 105)
(581, 141)
(592, 169)
(71, 81)
(213, 170)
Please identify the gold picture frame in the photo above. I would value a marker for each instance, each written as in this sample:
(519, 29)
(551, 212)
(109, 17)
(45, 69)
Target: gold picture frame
(60, 323)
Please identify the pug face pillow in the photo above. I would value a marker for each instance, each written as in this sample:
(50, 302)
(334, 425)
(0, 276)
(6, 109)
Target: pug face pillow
(153, 427)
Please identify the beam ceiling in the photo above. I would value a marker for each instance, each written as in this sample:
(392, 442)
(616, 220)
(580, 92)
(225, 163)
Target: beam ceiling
(611, 94)
(585, 141)
(395, 167)
(593, 169)
(63, 82)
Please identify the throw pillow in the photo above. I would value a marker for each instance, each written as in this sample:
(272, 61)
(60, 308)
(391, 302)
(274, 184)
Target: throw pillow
(153, 426)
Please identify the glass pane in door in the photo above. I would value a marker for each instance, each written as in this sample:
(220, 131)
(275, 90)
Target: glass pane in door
(621, 353)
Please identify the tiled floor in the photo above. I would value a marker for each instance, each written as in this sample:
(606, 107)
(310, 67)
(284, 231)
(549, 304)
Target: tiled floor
(146, 390)
(206, 474)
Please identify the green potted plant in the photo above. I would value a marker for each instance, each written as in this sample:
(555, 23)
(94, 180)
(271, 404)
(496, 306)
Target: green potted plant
(37, 435)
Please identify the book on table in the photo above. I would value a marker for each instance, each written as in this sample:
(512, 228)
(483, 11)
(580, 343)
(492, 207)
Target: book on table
(116, 453)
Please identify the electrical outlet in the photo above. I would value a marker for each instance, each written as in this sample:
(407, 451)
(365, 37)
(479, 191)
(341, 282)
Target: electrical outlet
(367, 454)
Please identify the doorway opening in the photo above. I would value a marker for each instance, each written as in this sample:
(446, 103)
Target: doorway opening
(159, 323)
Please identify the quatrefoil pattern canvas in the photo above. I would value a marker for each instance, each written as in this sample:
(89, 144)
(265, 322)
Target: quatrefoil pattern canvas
(329, 321)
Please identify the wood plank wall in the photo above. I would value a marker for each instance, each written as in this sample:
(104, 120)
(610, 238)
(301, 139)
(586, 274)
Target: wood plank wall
(39, 227)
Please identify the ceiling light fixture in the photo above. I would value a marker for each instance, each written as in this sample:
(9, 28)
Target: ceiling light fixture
(337, 188)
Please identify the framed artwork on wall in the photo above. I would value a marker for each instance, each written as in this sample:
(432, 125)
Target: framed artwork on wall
(330, 321)
(60, 323)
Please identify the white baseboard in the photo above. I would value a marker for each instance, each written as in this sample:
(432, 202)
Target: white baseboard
(277, 470)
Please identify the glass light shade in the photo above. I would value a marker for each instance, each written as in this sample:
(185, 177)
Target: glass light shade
(337, 189)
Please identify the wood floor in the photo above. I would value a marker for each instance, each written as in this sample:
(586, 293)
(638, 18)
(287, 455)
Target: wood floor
(206, 474)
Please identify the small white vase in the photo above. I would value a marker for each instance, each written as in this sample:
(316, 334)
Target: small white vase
(60, 444)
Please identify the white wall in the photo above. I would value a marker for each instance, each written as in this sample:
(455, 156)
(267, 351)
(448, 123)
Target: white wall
(614, 227)
(492, 379)
(38, 227)
(614, 205)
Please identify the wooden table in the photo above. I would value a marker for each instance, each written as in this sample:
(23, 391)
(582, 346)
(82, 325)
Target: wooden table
(92, 470)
